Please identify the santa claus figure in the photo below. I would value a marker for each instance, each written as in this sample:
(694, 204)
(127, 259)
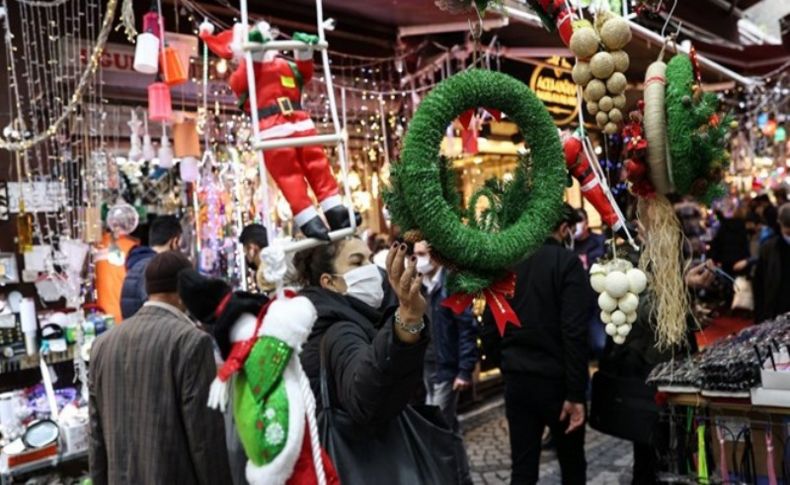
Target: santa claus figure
(273, 406)
(278, 91)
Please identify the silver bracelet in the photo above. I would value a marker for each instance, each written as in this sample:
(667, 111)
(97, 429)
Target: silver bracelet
(411, 329)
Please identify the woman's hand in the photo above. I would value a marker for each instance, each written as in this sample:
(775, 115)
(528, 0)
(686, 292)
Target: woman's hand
(407, 285)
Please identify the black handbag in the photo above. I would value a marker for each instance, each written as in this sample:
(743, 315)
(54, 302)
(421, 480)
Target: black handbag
(414, 448)
(623, 407)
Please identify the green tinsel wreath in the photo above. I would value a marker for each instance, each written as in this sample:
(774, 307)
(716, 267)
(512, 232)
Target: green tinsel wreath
(424, 194)
(696, 144)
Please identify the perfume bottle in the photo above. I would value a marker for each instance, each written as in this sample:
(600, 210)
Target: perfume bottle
(24, 229)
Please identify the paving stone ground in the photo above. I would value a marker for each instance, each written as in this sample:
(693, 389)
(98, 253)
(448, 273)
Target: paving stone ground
(609, 460)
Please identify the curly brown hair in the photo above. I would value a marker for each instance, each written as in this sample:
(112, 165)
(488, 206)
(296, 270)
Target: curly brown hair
(313, 263)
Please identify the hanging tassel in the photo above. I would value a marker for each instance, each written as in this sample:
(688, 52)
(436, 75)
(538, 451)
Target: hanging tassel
(725, 473)
(769, 461)
(218, 394)
(702, 458)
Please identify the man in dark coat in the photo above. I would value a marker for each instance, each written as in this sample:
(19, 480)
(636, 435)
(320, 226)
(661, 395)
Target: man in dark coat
(163, 235)
(544, 362)
(149, 384)
(772, 275)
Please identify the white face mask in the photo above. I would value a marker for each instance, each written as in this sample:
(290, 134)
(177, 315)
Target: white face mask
(424, 265)
(786, 238)
(579, 230)
(364, 284)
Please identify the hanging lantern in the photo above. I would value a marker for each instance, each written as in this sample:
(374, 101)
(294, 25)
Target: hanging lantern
(172, 68)
(189, 169)
(159, 104)
(165, 154)
(151, 22)
(186, 142)
(146, 54)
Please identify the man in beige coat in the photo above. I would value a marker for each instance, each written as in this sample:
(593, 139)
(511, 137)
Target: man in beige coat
(149, 382)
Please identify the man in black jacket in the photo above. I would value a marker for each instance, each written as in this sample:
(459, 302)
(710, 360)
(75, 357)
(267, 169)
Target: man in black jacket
(163, 235)
(544, 362)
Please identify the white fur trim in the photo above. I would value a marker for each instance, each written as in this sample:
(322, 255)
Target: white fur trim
(286, 129)
(244, 328)
(290, 321)
(304, 216)
(218, 395)
(331, 202)
(279, 470)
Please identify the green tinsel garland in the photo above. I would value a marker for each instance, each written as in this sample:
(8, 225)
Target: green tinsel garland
(423, 195)
(696, 145)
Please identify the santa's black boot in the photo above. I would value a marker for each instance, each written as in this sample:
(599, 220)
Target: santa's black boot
(338, 218)
(315, 228)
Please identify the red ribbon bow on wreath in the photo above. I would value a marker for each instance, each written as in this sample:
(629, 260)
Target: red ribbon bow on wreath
(496, 298)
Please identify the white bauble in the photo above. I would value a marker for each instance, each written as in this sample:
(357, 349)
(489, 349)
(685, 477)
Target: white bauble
(637, 280)
(616, 284)
(628, 303)
(630, 318)
(606, 302)
(619, 339)
(618, 317)
(623, 329)
(611, 329)
(606, 317)
(598, 282)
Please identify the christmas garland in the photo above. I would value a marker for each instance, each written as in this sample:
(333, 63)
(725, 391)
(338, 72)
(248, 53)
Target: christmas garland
(695, 133)
(423, 199)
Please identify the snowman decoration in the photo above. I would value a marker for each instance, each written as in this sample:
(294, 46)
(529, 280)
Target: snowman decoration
(619, 285)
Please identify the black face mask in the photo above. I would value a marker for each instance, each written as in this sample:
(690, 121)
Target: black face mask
(253, 266)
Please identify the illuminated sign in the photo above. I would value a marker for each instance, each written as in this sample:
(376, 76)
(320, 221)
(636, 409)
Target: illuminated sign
(555, 87)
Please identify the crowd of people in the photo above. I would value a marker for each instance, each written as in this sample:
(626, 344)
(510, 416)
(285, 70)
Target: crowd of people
(386, 343)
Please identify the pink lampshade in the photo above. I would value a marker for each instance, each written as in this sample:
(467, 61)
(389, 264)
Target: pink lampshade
(159, 104)
(151, 24)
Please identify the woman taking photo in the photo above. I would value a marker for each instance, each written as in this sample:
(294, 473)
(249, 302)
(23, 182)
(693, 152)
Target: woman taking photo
(370, 364)
(374, 357)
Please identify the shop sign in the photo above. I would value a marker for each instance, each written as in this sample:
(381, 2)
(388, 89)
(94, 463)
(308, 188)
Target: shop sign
(555, 87)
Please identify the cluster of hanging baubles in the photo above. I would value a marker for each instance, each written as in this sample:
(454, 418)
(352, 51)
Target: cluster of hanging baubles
(153, 56)
(600, 67)
(619, 285)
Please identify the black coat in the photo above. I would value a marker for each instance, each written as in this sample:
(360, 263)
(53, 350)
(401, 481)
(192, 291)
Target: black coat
(374, 374)
(731, 243)
(772, 280)
(133, 293)
(552, 301)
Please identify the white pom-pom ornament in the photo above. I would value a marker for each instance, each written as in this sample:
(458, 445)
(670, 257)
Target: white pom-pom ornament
(618, 317)
(597, 277)
(607, 303)
(619, 339)
(611, 329)
(628, 303)
(606, 317)
(630, 318)
(623, 329)
(616, 284)
(637, 281)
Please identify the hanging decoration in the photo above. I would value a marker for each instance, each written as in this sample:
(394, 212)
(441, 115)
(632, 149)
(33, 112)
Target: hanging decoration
(459, 6)
(695, 132)
(423, 202)
(600, 72)
(160, 106)
(122, 219)
(619, 285)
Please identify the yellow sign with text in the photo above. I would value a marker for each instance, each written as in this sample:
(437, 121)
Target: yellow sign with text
(555, 87)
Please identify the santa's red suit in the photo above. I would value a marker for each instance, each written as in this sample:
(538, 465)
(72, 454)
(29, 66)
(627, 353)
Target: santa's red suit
(278, 93)
(279, 85)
